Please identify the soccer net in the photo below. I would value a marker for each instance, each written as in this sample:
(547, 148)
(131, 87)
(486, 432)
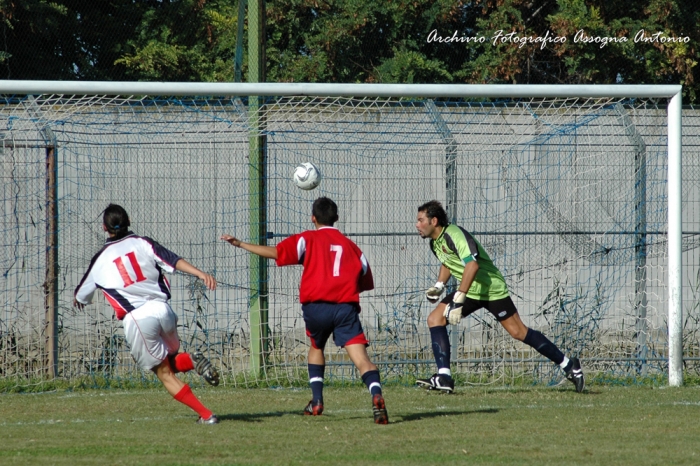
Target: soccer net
(569, 195)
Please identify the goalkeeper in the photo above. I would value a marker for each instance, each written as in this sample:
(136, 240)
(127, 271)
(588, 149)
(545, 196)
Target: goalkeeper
(481, 285)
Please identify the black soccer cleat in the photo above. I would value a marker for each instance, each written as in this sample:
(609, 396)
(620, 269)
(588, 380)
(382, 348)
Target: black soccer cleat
(441, 382)
(204, 368)
(575, 374)
(211, 420)
(314, 408)
(379, 410)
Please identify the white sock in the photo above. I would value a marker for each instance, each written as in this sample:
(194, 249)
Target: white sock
(445, 371)
(564, 363)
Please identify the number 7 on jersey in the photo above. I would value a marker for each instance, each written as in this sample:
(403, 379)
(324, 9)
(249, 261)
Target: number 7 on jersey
(338, 250)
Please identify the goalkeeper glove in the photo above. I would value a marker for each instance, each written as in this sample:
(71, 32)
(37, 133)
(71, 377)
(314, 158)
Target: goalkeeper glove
(453, 311)
(434, 292)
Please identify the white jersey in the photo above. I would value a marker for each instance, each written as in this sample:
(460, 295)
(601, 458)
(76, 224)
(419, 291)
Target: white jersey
(129, 271)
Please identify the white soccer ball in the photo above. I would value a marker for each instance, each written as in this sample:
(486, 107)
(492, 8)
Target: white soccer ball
(307, 176)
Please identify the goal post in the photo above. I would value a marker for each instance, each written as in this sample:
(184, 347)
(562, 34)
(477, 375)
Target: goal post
(675, 261)
(532, 170)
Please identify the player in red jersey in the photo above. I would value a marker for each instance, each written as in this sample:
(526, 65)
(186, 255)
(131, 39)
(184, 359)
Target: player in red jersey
(129, 271)
(335, 273)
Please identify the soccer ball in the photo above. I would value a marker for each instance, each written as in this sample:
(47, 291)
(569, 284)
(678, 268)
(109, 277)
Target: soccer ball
(307, 176)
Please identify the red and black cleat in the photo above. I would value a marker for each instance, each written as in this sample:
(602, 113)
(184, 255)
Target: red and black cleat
(379, 410)
(314, 408)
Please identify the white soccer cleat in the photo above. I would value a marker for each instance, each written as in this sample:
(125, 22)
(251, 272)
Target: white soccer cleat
(211, 420)
(575, 375)
(441, 382)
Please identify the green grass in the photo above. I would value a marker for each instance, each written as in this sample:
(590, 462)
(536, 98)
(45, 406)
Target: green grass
(526, 426)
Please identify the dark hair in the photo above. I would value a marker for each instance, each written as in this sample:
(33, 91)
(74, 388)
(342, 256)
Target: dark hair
(116, 220)
(325, 211)
(433, 209)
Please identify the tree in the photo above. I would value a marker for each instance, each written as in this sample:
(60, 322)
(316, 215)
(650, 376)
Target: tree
(417, 41)
(606, 50)
(424, 41)
(66, 39)
(35, 46)
(187, 40)
(355, 40)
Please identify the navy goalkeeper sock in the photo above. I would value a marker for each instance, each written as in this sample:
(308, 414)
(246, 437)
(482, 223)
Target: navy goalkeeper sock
(316, 381)
(371, 379)
(543, 346)
(441, 346)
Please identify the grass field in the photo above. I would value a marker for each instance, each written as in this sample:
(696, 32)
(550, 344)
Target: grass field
(524, 426)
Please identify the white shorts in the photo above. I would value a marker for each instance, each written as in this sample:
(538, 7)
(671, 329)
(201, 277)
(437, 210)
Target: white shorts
(151, 332)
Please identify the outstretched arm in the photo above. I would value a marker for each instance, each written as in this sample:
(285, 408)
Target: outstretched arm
(268, 252)
(184, 266)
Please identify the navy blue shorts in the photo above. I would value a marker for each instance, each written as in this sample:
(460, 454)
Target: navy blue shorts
(340, 319)
(500, 308)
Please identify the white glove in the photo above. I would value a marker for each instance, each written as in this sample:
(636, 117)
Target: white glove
(434, 292)
(453, 311)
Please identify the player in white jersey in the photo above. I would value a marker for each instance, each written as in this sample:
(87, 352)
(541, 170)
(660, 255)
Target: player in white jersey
(129, 271)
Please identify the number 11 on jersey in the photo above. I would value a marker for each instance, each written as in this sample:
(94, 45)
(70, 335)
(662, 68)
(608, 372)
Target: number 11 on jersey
(134, 265)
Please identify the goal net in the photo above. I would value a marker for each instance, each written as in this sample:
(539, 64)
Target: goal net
(569, 195)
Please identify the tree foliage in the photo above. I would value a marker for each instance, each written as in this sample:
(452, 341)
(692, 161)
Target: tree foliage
(575, 62)
(188, 40)
(66, 39)
(415, 41)
(355, 40)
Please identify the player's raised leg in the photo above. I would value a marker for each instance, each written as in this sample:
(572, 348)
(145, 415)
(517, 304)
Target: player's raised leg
(205, 368)
(185, 362)
(181, 362)
(151, 331)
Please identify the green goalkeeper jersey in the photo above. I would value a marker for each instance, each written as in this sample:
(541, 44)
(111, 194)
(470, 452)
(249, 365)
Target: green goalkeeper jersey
(455, 248)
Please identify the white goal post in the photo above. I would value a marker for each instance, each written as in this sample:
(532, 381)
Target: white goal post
(422, 91)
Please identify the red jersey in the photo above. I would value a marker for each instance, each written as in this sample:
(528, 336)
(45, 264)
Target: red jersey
(335, 269)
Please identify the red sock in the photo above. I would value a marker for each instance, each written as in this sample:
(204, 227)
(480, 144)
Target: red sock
(186, 397)
(182, 362)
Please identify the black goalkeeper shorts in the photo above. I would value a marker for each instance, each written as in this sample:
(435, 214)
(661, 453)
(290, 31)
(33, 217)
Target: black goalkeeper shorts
(500, 308)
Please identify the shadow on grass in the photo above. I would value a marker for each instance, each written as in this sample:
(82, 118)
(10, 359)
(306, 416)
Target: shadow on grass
(555, 388)
(256, 417)
(421, 416)
(399, 418)
(586, 391)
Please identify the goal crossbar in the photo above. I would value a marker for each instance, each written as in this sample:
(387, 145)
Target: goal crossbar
(338, 90)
